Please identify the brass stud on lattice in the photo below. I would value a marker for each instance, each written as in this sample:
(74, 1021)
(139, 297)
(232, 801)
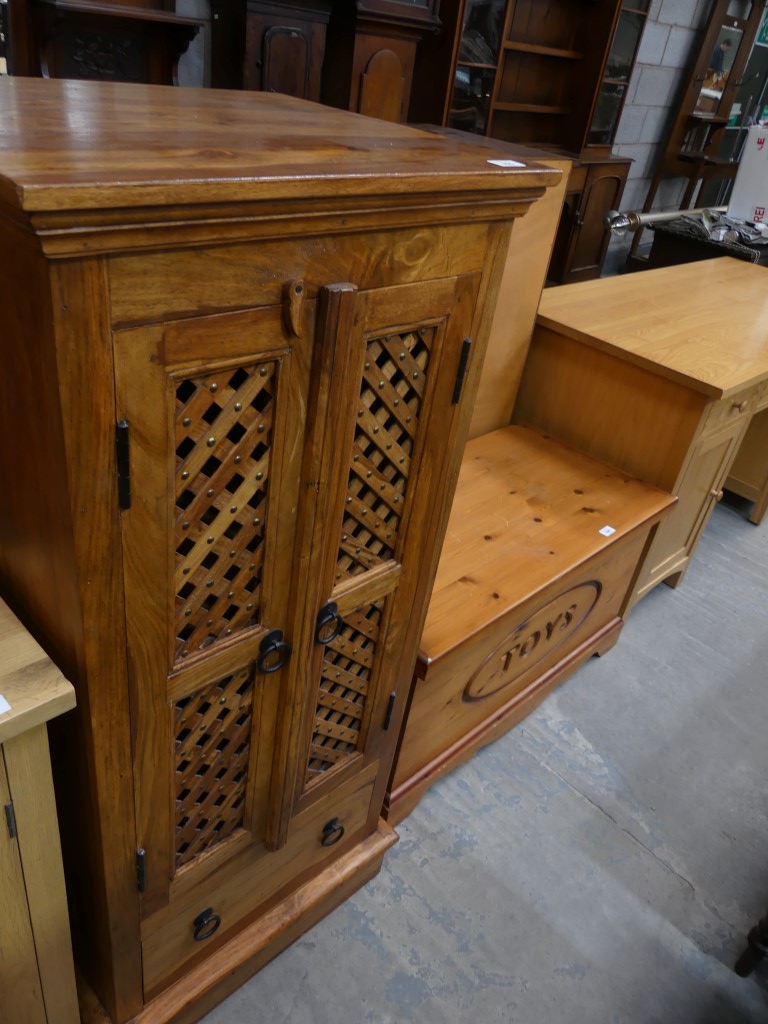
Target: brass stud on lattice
(211, 442)
(209, 540)
(249, 607)
(256, 522)
(263, 371)
(185, 474)
(185, 571)
(186, 421)
(359, 412)
(238, 406)
(238, 459)
(210, 492)
(214, 388)
(185, 526)
(397, 401)
(375, 430)
(381, 384)
(233, 509)
(261, 428)
(209, 583)
(260, 475)
(402, 355)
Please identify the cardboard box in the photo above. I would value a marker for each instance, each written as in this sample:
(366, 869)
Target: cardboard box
(749, 199)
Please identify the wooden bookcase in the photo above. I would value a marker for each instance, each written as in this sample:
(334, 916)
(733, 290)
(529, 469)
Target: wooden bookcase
(551, 75)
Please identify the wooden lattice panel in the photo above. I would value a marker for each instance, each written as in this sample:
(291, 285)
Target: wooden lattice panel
(345, 685)
(212, 737)
(391, 396)
(223, 447)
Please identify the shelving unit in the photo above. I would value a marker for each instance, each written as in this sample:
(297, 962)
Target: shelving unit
(551, 75)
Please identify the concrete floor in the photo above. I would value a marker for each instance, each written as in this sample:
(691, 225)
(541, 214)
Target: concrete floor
(600, 864)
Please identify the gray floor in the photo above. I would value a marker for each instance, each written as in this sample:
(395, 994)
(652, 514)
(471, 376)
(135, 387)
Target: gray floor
(600, 864)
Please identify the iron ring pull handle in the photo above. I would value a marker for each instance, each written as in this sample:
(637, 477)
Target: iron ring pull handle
(332, 832)
(205, 924)
(274, 652)
(328, 624)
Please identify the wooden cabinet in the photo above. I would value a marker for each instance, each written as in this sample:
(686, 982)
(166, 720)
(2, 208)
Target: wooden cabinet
(126, 41)
(371, 54)
(615, 370)
(272, 309)
(271, 47)
(36, 967)
(550, 75)
(582, 241)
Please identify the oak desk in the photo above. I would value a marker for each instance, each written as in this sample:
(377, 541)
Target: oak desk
(659, 374)
(36, 972)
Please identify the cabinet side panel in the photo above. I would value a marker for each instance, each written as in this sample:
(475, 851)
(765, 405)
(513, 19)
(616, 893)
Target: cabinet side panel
(525, 271)
(37, 570)
(608, 408)
(93, 766)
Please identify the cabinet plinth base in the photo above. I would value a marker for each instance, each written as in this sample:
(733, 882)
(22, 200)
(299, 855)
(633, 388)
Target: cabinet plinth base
(193, 996)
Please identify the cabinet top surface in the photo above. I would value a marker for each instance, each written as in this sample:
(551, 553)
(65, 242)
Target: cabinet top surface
(703, 324)
(30, 683)
(76, 145)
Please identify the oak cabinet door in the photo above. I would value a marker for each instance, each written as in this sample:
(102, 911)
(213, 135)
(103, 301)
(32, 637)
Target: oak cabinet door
(377, 454)
(215, 408)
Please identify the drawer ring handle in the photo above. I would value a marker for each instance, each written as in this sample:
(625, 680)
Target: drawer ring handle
(333, 830)
(205, 924)
(274, 652)
(328, 624)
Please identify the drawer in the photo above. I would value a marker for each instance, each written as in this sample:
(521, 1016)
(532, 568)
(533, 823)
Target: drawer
(256, 882)
(760, 396)
(729, 410)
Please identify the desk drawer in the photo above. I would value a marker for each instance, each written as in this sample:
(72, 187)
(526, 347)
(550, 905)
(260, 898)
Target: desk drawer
(252, 884)
(729, 410)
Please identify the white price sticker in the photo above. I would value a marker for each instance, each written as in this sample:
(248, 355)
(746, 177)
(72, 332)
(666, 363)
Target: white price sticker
(506, 163)
(4, 705)
(607, 531)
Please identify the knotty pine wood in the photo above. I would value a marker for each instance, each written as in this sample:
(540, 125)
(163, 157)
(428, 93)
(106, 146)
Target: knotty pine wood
(525, 569)
(97, 179)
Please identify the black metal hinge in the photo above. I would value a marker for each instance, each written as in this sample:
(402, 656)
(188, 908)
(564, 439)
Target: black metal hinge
(10, 817)
(466, 345)
(123, 452)
(141, 869)
(390, 709)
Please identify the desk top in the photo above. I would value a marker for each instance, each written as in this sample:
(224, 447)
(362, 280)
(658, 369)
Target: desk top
(702, 324)
(29, 681)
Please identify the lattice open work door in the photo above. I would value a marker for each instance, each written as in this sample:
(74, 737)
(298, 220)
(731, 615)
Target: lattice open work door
(215, 463)
(391, 398)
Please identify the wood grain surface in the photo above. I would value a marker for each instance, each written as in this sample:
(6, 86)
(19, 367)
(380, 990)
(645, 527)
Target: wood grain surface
(528, 510)
(140, 145)
(701, 324)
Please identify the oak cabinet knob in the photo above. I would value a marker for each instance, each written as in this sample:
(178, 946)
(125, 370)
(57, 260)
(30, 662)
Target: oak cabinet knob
(740, 406)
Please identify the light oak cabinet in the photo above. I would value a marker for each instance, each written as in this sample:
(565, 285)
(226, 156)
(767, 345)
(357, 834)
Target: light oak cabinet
(249, 348)
(36, 970)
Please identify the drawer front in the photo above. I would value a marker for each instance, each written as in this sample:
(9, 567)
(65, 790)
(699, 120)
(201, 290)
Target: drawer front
(760, 396)
(494, 667)
(252, 884)
(191, 282)
(729, 410)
